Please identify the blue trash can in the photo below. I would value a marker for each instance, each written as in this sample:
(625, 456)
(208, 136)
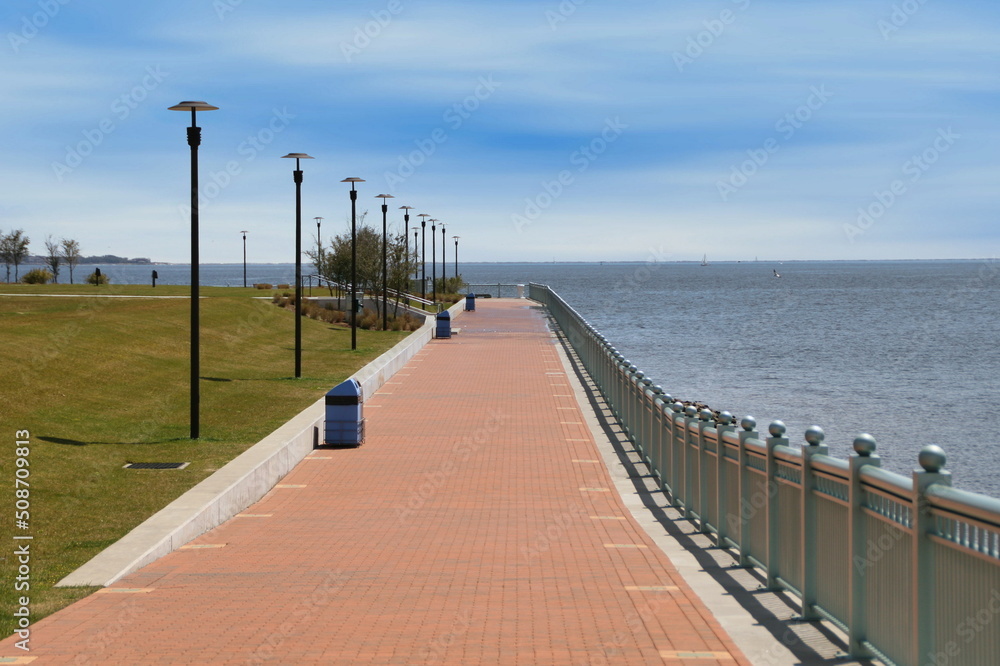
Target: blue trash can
(470, 303)
(345, 419)
(443, 325)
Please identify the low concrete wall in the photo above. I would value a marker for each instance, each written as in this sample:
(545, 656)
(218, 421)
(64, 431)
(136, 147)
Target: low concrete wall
(240, 483)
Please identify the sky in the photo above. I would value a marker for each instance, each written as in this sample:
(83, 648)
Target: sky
(580, 130)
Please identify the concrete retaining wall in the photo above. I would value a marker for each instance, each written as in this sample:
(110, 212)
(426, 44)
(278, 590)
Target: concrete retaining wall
(240, 483)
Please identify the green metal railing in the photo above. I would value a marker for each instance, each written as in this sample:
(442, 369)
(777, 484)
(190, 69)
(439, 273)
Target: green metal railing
(909, 568)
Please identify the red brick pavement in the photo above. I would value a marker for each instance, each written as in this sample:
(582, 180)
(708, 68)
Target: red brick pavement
(475, 526)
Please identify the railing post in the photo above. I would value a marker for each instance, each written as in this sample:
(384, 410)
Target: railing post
(646, 430)
(625, 402)
(690, 416)
(653, 432)
(660, 433)
(722, 477)
(634, 405)
(864, 447)
(749, 425)
(777, 431)
(932, 460)
(676, 453)
(704, 423)
(813, 447)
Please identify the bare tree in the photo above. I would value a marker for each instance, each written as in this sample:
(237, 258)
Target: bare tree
(55, 257)
(71, 254)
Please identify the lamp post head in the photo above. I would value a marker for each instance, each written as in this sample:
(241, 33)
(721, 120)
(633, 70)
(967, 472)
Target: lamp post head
(193, 106)
(297, 157)
(353, 180)
(244, 233)
(194, 132)
(406, 208)
(383, 197)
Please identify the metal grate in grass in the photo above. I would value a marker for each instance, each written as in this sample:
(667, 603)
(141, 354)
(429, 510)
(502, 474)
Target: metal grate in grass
(157, 465)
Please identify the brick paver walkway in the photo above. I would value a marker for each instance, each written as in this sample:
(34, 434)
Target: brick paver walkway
(475, 525)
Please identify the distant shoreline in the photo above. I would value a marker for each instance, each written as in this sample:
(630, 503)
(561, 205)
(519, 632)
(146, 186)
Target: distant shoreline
(598, 262)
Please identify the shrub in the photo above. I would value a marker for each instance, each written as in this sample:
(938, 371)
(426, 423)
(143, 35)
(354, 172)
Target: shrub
(276, 298)
(263, 285)
(96, 279)
(36, 276)
(283, 286)
(368, 320)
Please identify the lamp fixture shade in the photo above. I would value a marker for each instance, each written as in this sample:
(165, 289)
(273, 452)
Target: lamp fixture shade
(197, 106)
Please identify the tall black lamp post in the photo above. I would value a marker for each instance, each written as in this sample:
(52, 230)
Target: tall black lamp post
(406, 237)
(194, 140)
(297, 176)
(444, 263)
(434, 286)
(354, 260)
(244, 258)
(319, 246)
(456, 260)
(385, 264)
(423, 254)
(415, 234)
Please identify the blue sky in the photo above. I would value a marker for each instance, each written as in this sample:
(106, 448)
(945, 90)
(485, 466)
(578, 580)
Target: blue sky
(573, 130)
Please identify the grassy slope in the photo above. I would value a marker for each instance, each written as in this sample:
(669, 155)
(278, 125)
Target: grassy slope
(103, 382)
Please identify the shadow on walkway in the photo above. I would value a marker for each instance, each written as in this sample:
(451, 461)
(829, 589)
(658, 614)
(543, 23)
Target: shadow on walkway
(777, 611)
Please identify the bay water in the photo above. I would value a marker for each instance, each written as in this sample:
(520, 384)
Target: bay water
(908, 351)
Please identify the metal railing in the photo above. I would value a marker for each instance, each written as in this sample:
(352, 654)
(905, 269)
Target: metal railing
(501, 290)
(392, 293)
(909, 568)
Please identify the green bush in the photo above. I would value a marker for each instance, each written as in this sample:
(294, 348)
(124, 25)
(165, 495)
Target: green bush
(96, 279)
(36, 276)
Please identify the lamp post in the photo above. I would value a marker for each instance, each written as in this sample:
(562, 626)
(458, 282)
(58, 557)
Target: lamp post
(423, 255)
(194, 140)
(415, 234)
(244, 259)
(354, 260)
(297, 177)
(319, 246)
(406, 237)
(385, 265)
(456, 259)
(434, 286)
(444, 263)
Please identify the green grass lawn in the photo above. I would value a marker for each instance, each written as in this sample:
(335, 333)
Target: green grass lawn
(100, 382)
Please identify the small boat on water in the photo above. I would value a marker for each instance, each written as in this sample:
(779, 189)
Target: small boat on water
(704, 260)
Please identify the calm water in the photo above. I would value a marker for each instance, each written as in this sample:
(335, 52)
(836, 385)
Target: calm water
(907, 351)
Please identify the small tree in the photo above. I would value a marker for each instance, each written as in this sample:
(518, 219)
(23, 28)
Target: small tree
(55, 257)
(71, 254)
(14, 249)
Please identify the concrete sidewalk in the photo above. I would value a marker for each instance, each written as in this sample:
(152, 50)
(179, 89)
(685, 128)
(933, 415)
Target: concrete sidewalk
(476, 525)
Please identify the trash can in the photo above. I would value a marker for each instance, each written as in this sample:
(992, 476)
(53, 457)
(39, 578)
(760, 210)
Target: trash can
(443, 324)
(345, 420)
(470, 303)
